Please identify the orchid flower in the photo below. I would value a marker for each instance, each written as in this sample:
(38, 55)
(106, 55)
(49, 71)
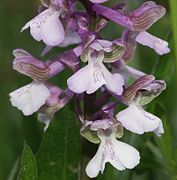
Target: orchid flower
(33, 96)
(48, 27)
(120, 155)
(135, 118)
(93, 76)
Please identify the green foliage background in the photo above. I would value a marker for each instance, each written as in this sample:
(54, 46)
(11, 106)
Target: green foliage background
(58, 155)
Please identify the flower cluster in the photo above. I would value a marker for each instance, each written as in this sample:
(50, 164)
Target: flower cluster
(100, 74)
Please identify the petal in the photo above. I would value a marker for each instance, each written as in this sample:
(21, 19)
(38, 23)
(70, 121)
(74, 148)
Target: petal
(96, 164)
(126, 71)
(71, 37)
(36, 23)
(114, 82)
(89, 79)
(126, 155)
(135, 119)
(159, 45)
(45, 22)
(159, 131)
(29, 98)
(79, 82)
(100, 124)
(134, 72)
(52, 31)
(96, 46)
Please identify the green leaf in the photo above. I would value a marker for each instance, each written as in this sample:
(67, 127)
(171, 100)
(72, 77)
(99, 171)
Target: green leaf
(28, 169)
(59, 154)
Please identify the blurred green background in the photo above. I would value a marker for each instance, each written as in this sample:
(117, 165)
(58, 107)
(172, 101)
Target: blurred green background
(159, 155)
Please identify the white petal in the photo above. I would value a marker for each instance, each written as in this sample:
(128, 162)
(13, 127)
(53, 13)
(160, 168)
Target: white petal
(119, 154)
(159, 45)
(79, 82)
(36, 23)
(88, 79)
(114, 82)
(52, 31)
(47, 27)
(135, 119)
(96, 78)
(96, 164)
(159, 131)
(126, 155)
(34, 29)
(29, 98)
(71, 37)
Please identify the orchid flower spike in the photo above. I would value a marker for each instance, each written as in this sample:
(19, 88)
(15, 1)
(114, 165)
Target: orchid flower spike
(94, 75)
(135, 118)
(120, 155)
